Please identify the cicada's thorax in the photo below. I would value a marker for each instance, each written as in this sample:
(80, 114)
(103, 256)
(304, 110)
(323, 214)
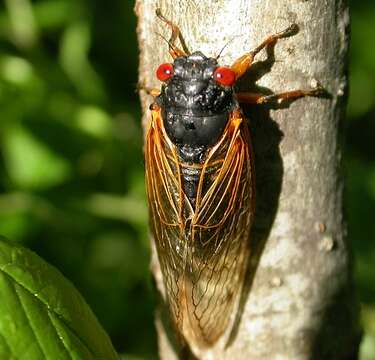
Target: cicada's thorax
(195, 111)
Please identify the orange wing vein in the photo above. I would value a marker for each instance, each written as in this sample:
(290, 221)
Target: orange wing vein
(203, 250)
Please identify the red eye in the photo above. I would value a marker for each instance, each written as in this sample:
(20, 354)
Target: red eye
(224, 76)
(164, 72)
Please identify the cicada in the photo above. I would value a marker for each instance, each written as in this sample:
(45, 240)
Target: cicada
(200, 184)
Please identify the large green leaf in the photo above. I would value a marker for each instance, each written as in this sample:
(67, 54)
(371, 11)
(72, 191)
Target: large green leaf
(42, 315)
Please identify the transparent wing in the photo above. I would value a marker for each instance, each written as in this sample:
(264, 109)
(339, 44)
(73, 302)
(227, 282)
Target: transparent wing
(220, 232)
(165, 197)
(202, 251)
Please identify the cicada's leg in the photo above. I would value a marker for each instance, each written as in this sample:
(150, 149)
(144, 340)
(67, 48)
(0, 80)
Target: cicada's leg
(176, 33)
(242, 64)
(149, 91)
(251, 98)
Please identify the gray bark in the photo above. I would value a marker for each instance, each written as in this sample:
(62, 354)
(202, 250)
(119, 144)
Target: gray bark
(300, 304)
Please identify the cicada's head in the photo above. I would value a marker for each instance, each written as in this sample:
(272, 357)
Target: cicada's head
(196, 98)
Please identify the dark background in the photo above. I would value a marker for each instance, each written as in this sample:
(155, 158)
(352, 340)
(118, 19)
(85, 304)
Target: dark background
(71, 167)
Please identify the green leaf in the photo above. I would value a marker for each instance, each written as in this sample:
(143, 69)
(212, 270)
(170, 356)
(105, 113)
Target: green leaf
(42, 315)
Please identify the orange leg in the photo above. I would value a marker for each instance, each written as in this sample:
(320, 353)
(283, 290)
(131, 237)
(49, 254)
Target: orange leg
(251, 98)
(176, 33)
(242, 64)
(149, 91)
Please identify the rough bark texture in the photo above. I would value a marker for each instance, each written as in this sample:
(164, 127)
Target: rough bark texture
(301, 303)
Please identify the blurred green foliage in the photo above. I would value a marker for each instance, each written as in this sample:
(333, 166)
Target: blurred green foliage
(360, 163)
(71, 168)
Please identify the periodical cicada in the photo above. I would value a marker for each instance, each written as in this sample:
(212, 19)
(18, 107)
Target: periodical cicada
(200, 184)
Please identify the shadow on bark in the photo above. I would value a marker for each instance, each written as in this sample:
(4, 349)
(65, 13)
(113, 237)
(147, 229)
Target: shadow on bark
(266, 137)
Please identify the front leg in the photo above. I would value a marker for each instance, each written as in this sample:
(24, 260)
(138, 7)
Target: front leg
(148, 90)
(242, 64)
(176, 33)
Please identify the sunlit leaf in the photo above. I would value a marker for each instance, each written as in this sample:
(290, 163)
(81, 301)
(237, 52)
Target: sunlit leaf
(128, 208)
(30, 163)
(16, 70)
(94, 121)
(24, 30)
(74, 50)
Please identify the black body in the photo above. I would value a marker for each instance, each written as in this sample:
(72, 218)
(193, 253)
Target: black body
(195, 111)
(195, 107)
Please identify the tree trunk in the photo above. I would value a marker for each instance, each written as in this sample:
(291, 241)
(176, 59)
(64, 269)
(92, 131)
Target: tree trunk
(300, 304)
